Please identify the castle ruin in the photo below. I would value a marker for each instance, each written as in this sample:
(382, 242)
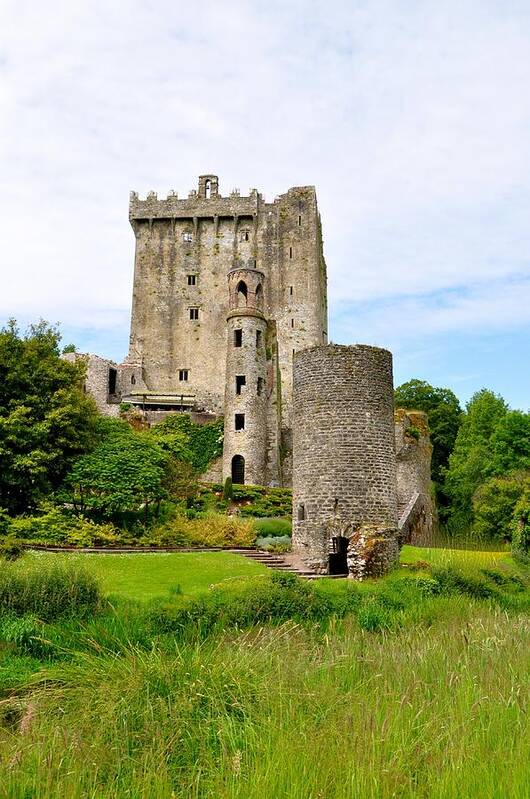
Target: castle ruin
(231, 292)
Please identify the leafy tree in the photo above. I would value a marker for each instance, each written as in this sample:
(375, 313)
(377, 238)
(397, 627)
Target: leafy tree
(46, 420)
(126, 472)
(511, 443)
(494, 503)
(69, 348)
(444, 414)
(471, 462)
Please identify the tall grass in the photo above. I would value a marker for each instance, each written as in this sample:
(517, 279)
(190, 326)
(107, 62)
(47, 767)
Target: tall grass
(46, 589)
(437, 711)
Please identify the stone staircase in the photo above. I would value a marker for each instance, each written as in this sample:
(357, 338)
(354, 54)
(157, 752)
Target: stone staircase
(281, 563)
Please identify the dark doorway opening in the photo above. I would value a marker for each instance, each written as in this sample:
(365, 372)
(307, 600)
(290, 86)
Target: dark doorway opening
(113, 376)
(238, 469)
(338, 563)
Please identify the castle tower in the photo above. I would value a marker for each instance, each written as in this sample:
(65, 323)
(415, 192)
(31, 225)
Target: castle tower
(185, 247)
(245, 434)
(344, 463)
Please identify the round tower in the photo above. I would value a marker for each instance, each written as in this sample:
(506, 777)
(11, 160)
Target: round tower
(245, 434)
(344, 463)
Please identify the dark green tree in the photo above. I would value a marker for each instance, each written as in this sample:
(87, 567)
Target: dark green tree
(46, 420)
(494, 503)
(472, 461)
(126, 473)
(444, 414)
(511, 443)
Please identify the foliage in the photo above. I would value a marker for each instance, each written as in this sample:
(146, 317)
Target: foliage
(273, 527)
(228, 489)
(54, 526)
(510, 443)
(46, 420)
(443, 412)
(213, 530)
(470, 463)
(276, 543)
(521, 526)
(46, 589)
(126, 472)
(494, 503)
(69, 348)
(263, 502)
(193, 443)
(11, 548)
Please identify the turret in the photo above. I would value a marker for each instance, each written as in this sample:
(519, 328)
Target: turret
(245, 438)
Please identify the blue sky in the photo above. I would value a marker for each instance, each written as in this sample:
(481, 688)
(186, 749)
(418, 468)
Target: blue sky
(411, 118)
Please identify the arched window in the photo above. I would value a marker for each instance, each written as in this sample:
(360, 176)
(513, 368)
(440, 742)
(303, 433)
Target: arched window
(259, 295)
(242, 292)
(208, 189)
(238, 469)
(133, 380)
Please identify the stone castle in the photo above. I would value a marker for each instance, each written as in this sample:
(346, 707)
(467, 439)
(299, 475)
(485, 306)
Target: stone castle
(229, 317)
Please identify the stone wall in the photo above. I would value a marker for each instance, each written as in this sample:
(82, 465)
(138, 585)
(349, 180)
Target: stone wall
(413, 455)
(98, 381)
(344, 466)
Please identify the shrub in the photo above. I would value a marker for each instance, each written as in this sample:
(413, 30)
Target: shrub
(281, 543)
(11, 548)
(213, 530)
(46, 590)
(197, 444)
(58, 527)
(228, 489)
(273, 527)
(521, 527)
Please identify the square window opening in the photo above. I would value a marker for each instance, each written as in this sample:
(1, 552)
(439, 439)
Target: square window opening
(259, 389)
(258, 338)
(241, 381)
(183, 375)
(192, 280)
(240, 421)
(238, 337)
(194, 313)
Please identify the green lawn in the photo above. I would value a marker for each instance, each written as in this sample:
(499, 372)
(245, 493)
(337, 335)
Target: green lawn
(146, 576)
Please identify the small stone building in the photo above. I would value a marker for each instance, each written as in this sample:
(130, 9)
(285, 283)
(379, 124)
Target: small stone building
(345, 507)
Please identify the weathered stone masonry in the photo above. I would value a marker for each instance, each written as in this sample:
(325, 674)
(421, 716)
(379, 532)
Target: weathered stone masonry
(183, 323)
(344, 465)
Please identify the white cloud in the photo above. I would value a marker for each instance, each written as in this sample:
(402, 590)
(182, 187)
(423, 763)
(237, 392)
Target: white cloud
(412, 119)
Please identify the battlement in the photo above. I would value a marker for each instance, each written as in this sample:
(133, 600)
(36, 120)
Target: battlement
(204, 202)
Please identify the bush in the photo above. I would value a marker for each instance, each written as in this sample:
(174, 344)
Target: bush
(58, 527)
(46, 590)
(278, 543)
(213, 530)
(11, 548)
(273, 527)
(521, 527)
(196, 444)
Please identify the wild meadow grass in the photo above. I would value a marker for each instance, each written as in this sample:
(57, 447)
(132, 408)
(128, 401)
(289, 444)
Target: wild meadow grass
(411, 686)
(436, 711)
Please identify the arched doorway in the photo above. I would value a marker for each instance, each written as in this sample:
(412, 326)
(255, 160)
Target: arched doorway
(242, 293)
(238, 469)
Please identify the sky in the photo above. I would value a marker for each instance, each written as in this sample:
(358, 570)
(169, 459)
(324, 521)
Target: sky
(411, 118)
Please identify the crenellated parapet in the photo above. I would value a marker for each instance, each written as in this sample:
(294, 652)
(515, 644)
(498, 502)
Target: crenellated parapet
(206, 202)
